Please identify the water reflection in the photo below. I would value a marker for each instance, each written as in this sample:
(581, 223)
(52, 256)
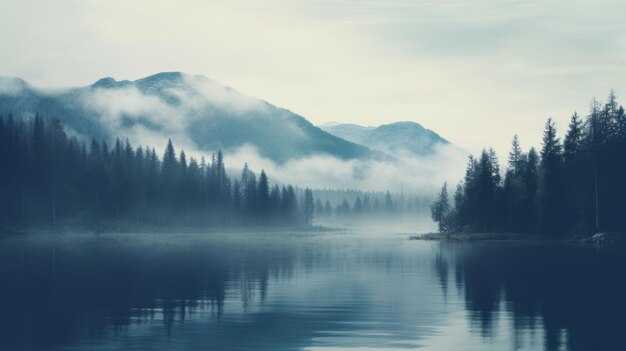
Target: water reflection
(574, 296)
(54, 291)
(272, 291)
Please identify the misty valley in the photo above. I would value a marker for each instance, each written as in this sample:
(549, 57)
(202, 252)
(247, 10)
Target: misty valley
(253, 229)
(312, 175)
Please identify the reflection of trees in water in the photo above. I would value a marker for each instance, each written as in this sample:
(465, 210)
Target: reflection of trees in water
(49, 296)
(572, 290)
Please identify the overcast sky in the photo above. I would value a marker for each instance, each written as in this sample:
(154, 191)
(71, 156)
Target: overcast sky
(476, 72)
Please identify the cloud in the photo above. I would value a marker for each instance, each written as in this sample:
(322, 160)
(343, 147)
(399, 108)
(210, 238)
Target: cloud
(144, 119)
(408, 173)
(112, 105)
(148, 118)
(460, 67)
(217, 94)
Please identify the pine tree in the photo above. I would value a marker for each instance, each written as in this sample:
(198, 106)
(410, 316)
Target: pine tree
(275, 203)
(263, 196)
(343, 209)
(551, 195)
(328, 209)
(237, 197)
(290, 204)
(389, 208)
(319, 208)
(357, 208)
(222, 181)
(516, 156)
(440, 210)
(486, 187)
(48, 176)
(169, 166)
(514, 188)
(531, 180)
(572, 145)
(575, 173)
(307, 208)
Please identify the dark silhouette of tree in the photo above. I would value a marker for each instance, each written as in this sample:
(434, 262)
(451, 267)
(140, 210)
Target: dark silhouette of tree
(388, 203)
(275, 203)
(440, 210)
(48, 177)
(514, 192)
(476, 196)
(319, 208)
(371, 205)
(531, 183)
(307, 207)
(576, 187)
(576, 172)
(343, 209)
(263, 196)
(327, 208)
(551, 192)
(357, 208)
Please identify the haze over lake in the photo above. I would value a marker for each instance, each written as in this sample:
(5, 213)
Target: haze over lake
(306, 291)
(312, 175)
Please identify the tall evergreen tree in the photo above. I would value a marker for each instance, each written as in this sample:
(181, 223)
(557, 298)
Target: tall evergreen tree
(516, 156)
(307, 208)
(576, 173)
(263, 196)
(514, 189)
(551, 194)
(48, 177)
(357, 208)
(440, 210)
(574, 187)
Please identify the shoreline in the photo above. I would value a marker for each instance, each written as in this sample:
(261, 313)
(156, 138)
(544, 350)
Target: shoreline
(123, 228)
(597, 238)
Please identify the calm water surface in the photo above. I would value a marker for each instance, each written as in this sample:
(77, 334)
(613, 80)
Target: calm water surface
(307, 291)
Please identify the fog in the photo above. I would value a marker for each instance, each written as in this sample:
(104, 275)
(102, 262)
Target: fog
(405, 173)
(149, 112)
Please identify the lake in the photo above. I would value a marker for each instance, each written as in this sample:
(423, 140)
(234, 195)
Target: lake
(353, 290)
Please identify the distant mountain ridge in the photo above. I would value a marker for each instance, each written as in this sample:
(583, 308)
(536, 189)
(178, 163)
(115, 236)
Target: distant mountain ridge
(390, 138)
(193, 109)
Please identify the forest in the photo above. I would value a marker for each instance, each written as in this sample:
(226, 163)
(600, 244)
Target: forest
(48, 177)
(374, 205)
(574, 186)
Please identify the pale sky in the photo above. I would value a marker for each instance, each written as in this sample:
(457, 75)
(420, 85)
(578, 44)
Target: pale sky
(476, 72)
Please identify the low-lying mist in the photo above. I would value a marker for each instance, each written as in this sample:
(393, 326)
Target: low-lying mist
(405, 173)
(150, 111)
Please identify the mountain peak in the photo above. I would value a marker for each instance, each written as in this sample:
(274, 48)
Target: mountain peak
(12, 85)
(204, 113)
(155, 79)
(164, 77)
(106, 82)
(404, 124)
(397, 136)
(110, 83)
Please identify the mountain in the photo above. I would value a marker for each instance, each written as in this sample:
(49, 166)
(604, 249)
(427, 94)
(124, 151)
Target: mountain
(192, 110)
(390, 138)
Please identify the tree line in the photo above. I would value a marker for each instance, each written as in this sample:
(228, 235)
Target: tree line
(340, 204)
(569, 187)
(47, 176)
